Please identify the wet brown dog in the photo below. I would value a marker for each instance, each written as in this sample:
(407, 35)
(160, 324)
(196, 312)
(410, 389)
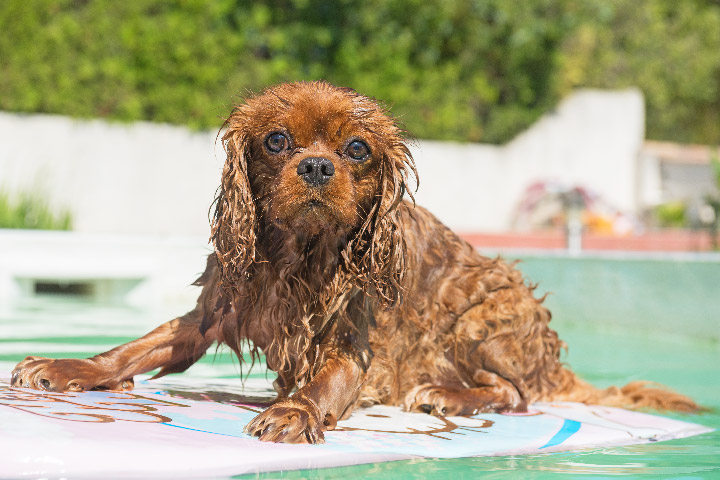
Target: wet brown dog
(354, 295)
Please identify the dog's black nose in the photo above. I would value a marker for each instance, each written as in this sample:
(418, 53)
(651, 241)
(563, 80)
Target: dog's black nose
(316, 171)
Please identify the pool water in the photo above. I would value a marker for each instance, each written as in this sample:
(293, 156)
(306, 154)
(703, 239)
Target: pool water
(623, 320)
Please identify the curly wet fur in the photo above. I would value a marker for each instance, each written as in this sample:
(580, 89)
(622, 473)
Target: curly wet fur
(308, 273)
(463, 317)
(353, 295)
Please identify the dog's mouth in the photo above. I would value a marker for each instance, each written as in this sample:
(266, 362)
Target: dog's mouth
(316, 210)
(317, 204)
(314, 217)
(311, 212)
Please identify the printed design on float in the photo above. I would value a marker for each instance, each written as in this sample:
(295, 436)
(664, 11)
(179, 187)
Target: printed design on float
(223, 412)
(404, 423)
(96, 407)
(568, 429)
(112, 406)
(362, 420)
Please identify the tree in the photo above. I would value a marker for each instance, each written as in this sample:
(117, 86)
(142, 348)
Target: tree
(471, 70)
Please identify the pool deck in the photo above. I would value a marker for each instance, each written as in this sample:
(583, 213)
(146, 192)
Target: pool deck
(147, 271)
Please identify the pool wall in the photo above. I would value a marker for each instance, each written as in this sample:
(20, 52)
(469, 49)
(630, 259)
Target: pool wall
(674, 294)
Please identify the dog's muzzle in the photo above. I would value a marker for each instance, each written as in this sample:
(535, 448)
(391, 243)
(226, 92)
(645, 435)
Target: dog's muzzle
(316, 171)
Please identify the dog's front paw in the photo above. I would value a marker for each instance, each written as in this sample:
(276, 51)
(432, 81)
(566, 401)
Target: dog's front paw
(292, 420)
(61, 375)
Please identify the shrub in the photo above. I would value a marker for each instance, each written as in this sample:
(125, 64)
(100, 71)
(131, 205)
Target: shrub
(30, 212)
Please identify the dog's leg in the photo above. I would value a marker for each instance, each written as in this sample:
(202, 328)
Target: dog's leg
(174, 346)
(302, 417)
(505, 354)
(345, 357)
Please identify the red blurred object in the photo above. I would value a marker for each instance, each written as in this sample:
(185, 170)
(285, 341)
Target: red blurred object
(671, 241)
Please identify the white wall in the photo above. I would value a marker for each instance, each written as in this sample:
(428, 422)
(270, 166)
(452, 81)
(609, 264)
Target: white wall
(159, 179)
(592, 140)
(116, 178)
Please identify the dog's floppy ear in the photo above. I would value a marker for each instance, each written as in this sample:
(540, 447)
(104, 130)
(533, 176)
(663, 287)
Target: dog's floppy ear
(382, 261)
(234, 223)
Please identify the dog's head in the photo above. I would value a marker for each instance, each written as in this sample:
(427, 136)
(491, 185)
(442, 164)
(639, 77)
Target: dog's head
(311, 160)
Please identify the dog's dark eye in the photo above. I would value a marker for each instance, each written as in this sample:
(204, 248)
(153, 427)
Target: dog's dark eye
(276, 142)
(358, 150)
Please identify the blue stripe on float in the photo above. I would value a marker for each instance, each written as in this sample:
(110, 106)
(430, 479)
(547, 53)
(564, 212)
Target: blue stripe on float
(569, 428)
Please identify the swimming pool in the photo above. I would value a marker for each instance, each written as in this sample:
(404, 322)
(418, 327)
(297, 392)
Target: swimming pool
(624, 318)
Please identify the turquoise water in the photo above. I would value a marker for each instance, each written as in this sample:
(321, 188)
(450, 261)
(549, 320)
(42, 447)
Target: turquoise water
(623, 320)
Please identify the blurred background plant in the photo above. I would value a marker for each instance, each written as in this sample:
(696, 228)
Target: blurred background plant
(454, 70)
(712, 215)
(30, 211)
(671, 215)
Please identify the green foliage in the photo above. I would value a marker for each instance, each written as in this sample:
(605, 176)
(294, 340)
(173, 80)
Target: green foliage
(479, 70)
(671, 50)
(713, 202)
(30, 212)
(672, 214)
(715, 165)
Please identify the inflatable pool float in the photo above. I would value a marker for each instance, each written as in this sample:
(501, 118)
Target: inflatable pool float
(180, 430)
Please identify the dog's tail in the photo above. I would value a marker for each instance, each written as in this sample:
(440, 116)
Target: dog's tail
(634, 395)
